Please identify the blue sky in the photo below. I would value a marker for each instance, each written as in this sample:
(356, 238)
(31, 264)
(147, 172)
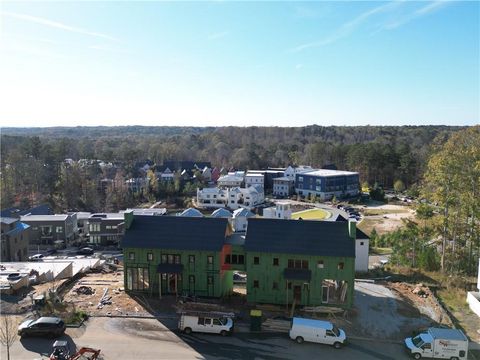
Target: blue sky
(239, 63)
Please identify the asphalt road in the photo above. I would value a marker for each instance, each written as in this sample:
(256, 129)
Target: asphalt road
(150, 339)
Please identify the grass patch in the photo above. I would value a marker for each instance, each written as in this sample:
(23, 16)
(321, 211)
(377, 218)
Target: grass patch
(367, 225)
(381, 251)
(312, 214)
(374, 212)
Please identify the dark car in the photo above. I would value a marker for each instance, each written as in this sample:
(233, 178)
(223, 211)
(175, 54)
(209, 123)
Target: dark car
(44, 326)
(85, 251)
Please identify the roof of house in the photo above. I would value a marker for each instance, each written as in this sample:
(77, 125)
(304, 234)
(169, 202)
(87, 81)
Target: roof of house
(173, 232)
(19, 227)
(56, 217)
(43, 209)
(322, 238)
(283, 178)
(221, 213)
(191, 212)
(243, 212)
(230, 178)
(327, 173)
(7, 220)
(359, 234)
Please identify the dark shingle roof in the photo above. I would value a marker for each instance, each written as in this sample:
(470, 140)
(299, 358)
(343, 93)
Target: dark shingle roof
(43, 209)
(360, 234)
(176, 232)
(323, 238)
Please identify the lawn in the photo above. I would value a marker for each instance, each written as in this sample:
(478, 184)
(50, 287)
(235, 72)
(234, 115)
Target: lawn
(312, 214)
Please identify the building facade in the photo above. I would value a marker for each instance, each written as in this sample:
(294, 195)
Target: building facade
(325, 184)
(287, 261)
(49, 230)
(107, 229)
(14, 241)
(283, 186)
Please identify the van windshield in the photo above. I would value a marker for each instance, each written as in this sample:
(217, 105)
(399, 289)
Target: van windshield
(336, 331)
(417, 341)
(223, 321)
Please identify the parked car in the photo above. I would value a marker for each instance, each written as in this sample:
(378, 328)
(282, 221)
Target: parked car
(44, 326)
(318, 331)
(85, 251)
(36, 257)
(206, 322)
(239, 278)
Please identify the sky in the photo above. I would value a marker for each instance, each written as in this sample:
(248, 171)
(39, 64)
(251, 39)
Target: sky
(222, 63)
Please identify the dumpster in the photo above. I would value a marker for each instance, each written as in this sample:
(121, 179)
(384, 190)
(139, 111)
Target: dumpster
(255, 320)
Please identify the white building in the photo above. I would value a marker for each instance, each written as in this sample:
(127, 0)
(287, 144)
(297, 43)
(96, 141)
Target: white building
(137, 185)
(282, 186)
(190, 212)
(230, 181)
(207, 174)
(362, 242)
(232, 198)
(282, 210)
(240, 219)
(254, 179)
(289, 173)
(473, 297)
(167, 175)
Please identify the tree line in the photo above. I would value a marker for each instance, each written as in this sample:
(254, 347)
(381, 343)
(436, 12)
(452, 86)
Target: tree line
(32, 161)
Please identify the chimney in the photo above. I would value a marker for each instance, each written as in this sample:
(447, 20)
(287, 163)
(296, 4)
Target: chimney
(352, 229)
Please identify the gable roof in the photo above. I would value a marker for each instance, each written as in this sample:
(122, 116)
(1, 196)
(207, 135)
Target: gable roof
(43, 209)
(359, 234)
(173, 232)
(221, 213)
(322, 238)
(243, 212)
(191, 212)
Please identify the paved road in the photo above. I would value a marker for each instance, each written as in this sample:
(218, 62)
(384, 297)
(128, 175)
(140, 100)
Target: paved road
(150, 339)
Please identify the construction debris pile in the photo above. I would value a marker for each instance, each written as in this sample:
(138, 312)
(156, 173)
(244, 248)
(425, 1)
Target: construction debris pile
(422, 297)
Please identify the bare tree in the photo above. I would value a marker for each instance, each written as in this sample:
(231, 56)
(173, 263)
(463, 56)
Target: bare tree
(8, 333)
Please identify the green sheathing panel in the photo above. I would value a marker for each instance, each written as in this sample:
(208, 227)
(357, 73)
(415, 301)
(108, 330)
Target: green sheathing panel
(209, 280)
(266, 273)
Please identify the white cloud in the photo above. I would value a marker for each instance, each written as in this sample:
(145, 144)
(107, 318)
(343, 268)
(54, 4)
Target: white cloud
(55, 24)
(347, 28)
(425, 10)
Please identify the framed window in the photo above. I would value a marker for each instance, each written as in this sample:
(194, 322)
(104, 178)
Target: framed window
(340, 266)
(256, 260)
(177, 259)
(170, 259)
(164, 259)
(304, 264)
(191, 279)
(210, 260)
(291, 264)
(361, 243)
(150, 256)
(320, 264)
(298, 264)
(241, 259)
(59, 229)
(234, 259)
(191, 259)
(210, 280)
(131, 256)
(275, 285)
(255, 284)
(275, 261)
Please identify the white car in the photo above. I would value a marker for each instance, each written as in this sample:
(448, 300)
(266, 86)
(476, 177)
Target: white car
(36, 257)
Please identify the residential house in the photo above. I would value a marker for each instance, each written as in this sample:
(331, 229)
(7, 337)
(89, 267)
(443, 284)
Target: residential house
(281, 210)
(283, 186)
(240, 219)
(221, 213)
(207, 174)
(14, 241)
(215, 175)
(137, 185)
(14, 212)
(59, 229)
(212, 198)
(289, 173)
(325, 184)
(473, 297)
(232, 198)
(190, 212)
(165, 175)
(306, 262)
(286, 261)
(181, 165)
(172, 255)
(254, 179)
(82, 225)
(269, 175)
(229, 181)
(107, 229)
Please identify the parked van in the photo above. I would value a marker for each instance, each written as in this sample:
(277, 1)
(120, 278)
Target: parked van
(438, 343)
(206, 322)
(323, 332)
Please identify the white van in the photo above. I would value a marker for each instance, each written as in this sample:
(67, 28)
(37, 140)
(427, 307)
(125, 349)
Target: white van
(206, 322)
(323, 332)
(438, 343)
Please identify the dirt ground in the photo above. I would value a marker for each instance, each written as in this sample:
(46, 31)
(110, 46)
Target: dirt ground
(387, 218)
(95, 284)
